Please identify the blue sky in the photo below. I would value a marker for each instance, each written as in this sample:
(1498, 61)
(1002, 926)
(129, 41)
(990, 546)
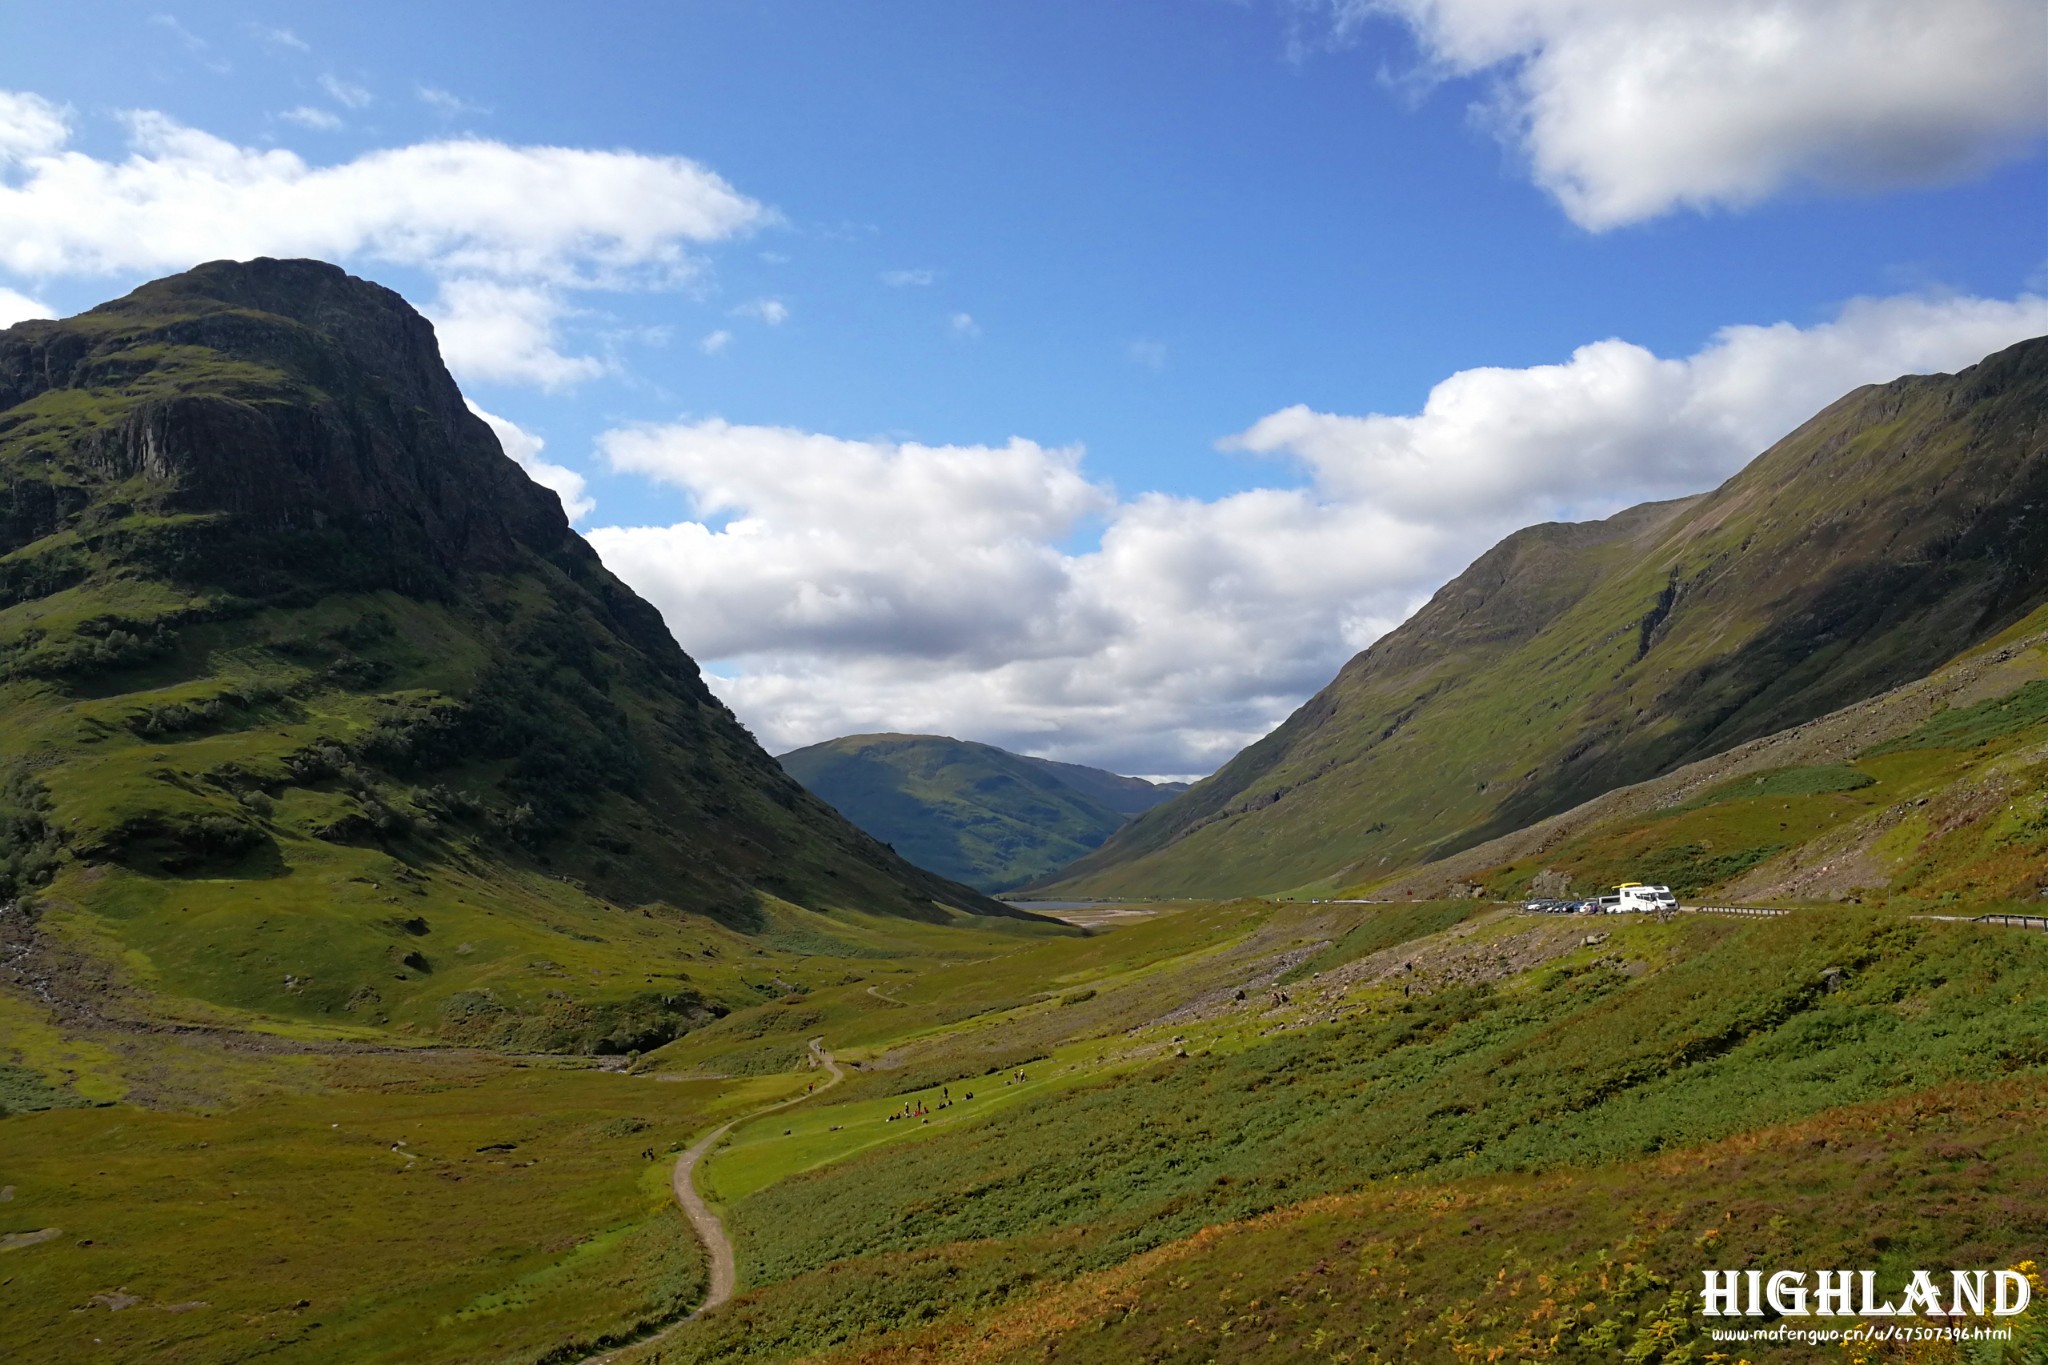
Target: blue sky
(1206, 261)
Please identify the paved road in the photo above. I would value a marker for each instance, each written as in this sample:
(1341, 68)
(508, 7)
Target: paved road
(709, 1228)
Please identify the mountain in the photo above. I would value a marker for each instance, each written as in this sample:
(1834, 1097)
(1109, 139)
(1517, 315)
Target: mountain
(316, 707)
(1127, 796)
(1930, 796)
(973, 812)
(1888, 534)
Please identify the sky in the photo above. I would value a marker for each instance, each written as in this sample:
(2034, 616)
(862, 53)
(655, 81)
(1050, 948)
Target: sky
(1087, 379)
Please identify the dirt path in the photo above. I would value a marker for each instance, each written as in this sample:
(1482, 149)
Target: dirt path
(710, 1229)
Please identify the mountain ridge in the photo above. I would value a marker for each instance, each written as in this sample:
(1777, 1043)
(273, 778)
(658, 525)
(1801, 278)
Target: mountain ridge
(971, 811)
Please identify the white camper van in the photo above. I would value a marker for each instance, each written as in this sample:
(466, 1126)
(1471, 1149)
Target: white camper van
(1637, 896)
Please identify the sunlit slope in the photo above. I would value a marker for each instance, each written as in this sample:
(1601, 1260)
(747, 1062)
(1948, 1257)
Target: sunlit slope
(1932, 796)
(1888, 534)
(973, 812)
(314, 706)
(1106, 1102)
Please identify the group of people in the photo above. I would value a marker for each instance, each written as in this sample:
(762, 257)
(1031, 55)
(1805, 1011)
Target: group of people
(915, 1109)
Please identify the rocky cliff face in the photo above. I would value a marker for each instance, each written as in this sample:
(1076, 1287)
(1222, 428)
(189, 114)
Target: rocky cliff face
(294, 397)
(1893, 530)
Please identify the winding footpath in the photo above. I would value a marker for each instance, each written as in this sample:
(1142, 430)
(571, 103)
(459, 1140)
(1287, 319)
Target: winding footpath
(709, 1228)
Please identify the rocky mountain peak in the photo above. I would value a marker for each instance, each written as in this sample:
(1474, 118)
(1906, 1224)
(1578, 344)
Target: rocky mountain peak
(290, 395)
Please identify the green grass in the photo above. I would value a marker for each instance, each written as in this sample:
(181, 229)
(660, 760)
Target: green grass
(1786, 782)
(1968, 727)
(391, 1208)
(1584, 1265)
(1663, 1037)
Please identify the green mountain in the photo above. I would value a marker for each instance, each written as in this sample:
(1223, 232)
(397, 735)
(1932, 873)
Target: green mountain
(1890, 533)
(1932, 796)
(973, 812)
(1127, 796)
(315, 707)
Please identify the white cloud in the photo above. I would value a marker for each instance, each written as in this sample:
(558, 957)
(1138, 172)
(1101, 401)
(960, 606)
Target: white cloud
(446, 103)
(194, 44)
(849, 547)
(525, 447)
(850, 585)
(312, 116)
(1616, 424)
(1628, 109)
(773, 312)
(899, 279)
(505, 332)
(15, 307)
(1149, 355)
(281, 38)
(507, 231)
(714, 342)
(348, 94)
(561, 214)
(30, 126)
(964, 325)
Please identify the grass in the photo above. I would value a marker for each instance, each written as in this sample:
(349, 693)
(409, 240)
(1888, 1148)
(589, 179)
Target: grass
(1663, 1038)
(483, 1210)
(1586, 1264)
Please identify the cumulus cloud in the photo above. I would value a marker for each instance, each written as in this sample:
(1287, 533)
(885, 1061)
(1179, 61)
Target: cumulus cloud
(841, 547)
(714, 342)
(964, 325)
(16, 307)
(525, 447)
(999, 593)
(901, 279)
(509, 232)
(1627, 109)
(504, 332)
(1617, 423)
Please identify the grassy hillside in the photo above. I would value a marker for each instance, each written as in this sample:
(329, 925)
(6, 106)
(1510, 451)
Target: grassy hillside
(1932, 796)
(316, 710)
(973, 812)
(1884, 537)
(1457, 1122)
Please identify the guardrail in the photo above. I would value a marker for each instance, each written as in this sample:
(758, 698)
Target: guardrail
(2016, 921)
(1730, 910)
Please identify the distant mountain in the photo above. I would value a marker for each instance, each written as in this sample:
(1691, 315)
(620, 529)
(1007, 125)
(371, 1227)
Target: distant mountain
(1903, 524)
(317, 707)
(978, 814)
(1127, 796)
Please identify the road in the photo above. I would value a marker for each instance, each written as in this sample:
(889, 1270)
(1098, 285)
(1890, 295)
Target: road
(707, 1225)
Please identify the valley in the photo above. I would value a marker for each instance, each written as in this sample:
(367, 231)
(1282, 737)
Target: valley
(395, 928)
(1301, 1098)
